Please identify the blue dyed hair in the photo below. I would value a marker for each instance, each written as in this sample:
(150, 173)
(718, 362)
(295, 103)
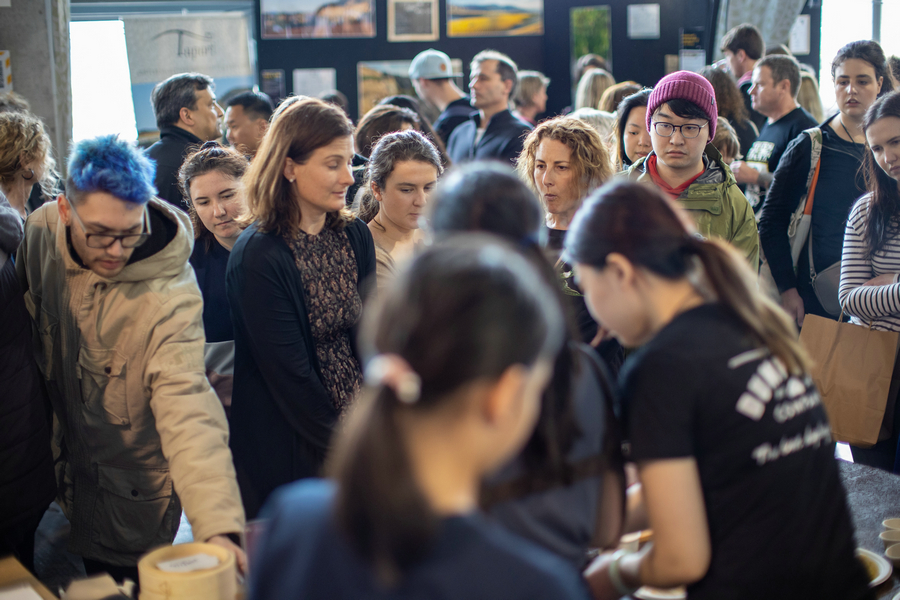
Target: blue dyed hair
(108, 164)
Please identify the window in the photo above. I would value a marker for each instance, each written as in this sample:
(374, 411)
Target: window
(101, 83)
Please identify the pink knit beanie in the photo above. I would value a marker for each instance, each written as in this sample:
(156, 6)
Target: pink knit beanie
(687, 86)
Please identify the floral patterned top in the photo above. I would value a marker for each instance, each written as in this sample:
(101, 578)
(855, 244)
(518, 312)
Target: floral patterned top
(329, 273)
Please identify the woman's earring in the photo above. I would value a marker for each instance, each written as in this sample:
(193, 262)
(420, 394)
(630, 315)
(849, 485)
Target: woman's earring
(30, 177)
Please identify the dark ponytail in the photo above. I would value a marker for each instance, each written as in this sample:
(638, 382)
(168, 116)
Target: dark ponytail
(638, 222)
(454, 316)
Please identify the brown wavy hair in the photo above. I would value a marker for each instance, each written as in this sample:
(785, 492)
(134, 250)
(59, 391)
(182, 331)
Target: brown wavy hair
(296, 132)
(23, 139)
(614, 94)
(729, 98)
(590, 158)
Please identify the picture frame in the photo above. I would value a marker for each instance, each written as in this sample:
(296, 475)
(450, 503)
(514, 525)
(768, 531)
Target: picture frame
(489, 18)
(413, 20)
(316, 19)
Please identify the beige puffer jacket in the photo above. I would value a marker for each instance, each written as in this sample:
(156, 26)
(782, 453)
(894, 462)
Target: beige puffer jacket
(135, 418)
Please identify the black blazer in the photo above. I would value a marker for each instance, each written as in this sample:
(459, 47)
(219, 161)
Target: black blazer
(168, 154)
(282, 417)
(502, 140)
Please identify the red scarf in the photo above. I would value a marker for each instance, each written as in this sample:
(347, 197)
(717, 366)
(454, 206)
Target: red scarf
(675, 192)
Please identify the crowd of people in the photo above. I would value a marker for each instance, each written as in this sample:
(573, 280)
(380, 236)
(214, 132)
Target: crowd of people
(410, 346)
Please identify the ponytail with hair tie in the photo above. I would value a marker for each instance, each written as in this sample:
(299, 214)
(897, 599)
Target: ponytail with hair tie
(393, 372)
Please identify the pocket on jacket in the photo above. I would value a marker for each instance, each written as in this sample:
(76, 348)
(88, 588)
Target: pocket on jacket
(136, 508)
(46, 340)
(103, 385)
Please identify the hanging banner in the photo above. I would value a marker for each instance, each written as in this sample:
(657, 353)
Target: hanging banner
(158, 47)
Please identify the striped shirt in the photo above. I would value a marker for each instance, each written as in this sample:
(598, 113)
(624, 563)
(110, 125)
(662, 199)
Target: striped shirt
(875, 304)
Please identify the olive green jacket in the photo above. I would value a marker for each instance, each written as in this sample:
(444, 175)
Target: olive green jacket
(717, 204)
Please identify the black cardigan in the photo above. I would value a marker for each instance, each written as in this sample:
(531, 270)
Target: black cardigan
(282, 416)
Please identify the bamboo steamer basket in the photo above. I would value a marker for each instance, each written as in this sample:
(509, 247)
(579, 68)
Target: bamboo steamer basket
(216, 583)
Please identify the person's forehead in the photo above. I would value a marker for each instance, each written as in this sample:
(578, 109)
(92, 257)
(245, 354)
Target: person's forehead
(106, 210)
(669, 115)
(486, 67)
(235, 112)
(763, 73)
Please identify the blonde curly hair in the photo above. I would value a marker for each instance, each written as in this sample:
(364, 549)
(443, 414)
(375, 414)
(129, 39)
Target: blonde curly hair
(23, 139)
(590, 157)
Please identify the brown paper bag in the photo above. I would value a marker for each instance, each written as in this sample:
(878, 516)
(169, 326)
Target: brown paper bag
(853, 370)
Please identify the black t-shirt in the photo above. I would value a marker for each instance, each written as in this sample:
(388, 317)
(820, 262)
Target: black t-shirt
(457, 112)
(303, 554)
(773, 139)
(776, 509)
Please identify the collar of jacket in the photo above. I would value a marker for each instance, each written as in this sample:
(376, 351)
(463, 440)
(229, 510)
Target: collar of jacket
(174, 131)
(167, 262)
(715, 171)
(501, 118)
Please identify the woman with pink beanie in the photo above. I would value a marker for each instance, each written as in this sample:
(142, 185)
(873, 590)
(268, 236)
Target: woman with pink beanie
(681, 119)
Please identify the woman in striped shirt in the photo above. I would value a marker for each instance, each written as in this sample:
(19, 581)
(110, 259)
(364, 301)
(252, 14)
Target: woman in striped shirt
(870, 263)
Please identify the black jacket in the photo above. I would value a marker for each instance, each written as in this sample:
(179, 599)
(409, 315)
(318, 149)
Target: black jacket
(27, 484)
(502, 140)
(456, 113)
(168, 154)
(282, 416)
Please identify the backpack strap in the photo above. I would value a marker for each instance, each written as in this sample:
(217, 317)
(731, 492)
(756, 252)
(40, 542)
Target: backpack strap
(815, 137)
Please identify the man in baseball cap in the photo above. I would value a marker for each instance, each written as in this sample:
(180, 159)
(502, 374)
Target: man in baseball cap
(681, 119)
(431, 73)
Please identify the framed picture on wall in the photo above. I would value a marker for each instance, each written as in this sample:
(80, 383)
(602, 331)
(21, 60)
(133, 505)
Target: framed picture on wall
(314, 82)
(292, 19)
(382, 78)
(483, 18)
(413, 20)
(590, 30)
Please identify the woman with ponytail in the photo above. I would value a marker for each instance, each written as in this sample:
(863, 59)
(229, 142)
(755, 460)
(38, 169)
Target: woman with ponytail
(454, 384)
(732, 444)
(870, 262)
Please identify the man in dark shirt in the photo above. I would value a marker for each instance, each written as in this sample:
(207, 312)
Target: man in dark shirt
(743, 46)
(432, 76)
(492, 132)
(776, 82)
(187, 114)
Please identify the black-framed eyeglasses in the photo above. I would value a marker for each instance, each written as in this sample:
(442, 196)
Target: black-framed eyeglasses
(105, 240)
(689, 132)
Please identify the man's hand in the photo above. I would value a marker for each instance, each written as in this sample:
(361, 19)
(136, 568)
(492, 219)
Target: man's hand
(744, 173)
(793, 305)
(240, 556)
(886, 279)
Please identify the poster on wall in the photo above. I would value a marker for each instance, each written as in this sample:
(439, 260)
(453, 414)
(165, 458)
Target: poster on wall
(291, 19)
(483, 18)
(413, 21)
(590, 31)
(271, 82)
(161, 46)
(314, 82)
(383, 78)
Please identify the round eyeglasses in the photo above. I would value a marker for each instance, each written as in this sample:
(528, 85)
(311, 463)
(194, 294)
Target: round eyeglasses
(687, 131)
(105, 240)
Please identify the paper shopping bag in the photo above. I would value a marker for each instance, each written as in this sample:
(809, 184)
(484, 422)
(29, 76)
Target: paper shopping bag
(853, 370)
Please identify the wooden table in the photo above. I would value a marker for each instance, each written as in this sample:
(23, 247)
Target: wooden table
(873, 495)
(12, 573)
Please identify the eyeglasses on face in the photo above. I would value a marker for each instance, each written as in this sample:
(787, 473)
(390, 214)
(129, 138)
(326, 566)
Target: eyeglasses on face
(689, 132)
(105, 240)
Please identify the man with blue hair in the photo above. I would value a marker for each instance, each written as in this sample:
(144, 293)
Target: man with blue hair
(118, 315)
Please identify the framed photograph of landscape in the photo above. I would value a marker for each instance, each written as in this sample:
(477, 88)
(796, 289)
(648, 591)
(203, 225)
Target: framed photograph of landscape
(590, 27)
(413, 21)
(293, 19)
(382, 78)
(486, 18)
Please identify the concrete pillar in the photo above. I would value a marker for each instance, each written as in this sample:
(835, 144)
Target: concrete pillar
(36, 33)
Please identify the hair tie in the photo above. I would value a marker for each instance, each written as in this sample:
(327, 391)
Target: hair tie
(392, 371)
(210, 144)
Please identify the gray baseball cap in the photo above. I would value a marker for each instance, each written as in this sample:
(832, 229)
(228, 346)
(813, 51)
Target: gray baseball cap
(431, 64)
